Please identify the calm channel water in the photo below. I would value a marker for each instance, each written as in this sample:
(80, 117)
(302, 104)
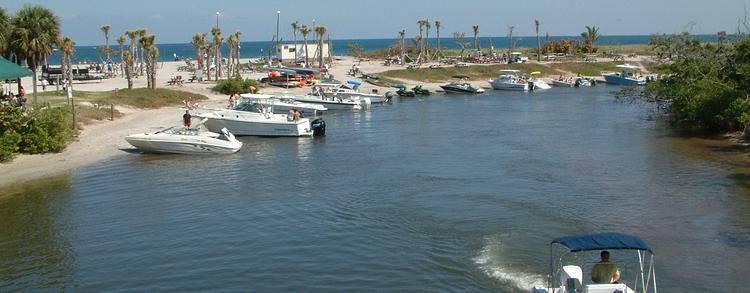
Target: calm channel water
(449, 193)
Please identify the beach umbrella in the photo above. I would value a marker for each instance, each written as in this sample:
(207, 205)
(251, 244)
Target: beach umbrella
(9, 70)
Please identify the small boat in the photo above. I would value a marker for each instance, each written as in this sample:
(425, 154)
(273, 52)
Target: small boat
(259, 120)
(626, 76)
(573, 82)
(419, 90)
(567, 274)
(460, 85)
(346, 92)
(180, 140)
(536, 83)
(403, 92)
(280, 104)
(510, 80)
(334, 103)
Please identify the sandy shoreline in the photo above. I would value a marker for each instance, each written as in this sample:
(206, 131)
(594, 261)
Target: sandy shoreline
(104, 140)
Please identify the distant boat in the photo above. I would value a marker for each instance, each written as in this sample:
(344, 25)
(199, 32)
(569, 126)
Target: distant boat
(626, 76)
(460, 85)
(510, 80)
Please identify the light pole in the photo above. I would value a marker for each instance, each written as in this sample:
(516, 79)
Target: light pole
(217, 19)
(313, 28)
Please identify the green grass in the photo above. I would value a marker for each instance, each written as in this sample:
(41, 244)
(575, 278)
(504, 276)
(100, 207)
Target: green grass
(86, 114)
(476, 72)
(138, 98)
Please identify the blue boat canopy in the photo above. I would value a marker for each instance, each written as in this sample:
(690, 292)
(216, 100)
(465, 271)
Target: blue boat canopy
(354, 82)
(602, 241)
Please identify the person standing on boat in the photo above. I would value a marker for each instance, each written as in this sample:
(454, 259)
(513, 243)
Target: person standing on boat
(187, 119)
(605, 272)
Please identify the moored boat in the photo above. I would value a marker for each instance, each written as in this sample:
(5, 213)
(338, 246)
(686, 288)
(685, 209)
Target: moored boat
(180, 140)
(259, 121)
(460, 85)
(626, 76)
(281, 104)
(510, 80)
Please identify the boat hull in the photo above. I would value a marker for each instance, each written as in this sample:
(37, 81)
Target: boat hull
(254, 128)
(619, 80)
(461, 90)
(187, 146)
(506, 86)
(332, 104)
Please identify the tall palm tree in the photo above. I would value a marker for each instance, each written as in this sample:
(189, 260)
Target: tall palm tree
(427, 26)
(141, 33)
(421, 24)
(129, 58)
(199, 43)
(121, 43)
(295, 28)
(510, 39)
(590, 37)
(438, 24)
(35, 30)
(148, 44)
(67, 49)
(402, 35)
(538, 42)
(305, 31)
(237, 36)
(320, 31)
(105, 30)
(231, 43)
(5, 29)
(218, 41)
(476, 33)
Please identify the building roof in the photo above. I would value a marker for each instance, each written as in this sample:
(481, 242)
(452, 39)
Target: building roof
(9, 70)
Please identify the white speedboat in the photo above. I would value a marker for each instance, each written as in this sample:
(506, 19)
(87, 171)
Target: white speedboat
(335, 103)
(460, 85)
(281, 104)
(510, 80)
(626, 76)
(573, 82)
(346, 92)
(180, 140)
(260, 121)
(567, 268)
(537, 83)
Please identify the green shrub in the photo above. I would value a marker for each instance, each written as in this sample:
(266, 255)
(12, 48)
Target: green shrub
(49, 130)
(9, 145)
(235, 86)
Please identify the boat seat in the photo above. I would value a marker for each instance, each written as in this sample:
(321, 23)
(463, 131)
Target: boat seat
(606, 288)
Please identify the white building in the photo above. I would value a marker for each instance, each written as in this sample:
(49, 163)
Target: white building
(286, 51)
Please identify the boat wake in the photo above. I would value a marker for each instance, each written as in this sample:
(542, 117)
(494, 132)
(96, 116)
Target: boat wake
(491, 261)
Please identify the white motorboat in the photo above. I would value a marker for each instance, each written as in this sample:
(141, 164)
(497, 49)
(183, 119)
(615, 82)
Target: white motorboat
(335, 103)
(510, 80)
(573, 82)
(345, 92)
(180, 140)
(627, 76)
(259, 120)
(281, 104)
(460, 85)
(537, 83)
(568, 267)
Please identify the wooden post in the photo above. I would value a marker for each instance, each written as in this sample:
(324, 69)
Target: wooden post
(112, 112)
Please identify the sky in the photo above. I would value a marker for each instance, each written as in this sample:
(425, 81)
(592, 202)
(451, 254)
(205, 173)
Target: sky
(178, 21)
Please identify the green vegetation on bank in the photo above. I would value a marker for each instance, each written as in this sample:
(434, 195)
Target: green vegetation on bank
(143, 98)
(482, 72)
(33, 131)
(705, 86)
(235, 86)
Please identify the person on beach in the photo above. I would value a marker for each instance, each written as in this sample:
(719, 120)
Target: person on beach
(605, 272)
(187, 120)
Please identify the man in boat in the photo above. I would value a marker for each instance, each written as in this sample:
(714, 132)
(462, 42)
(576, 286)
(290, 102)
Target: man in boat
(605, 272)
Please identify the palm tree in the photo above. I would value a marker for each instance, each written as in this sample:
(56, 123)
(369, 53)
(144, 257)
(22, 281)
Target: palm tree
(419, 42)
(476, 33)
(105, 30)
(67, 48)
(538, 42)
(590, 36)
(218, 41)
(148, 45)
(320, 31)
(305, 31)
(402, 34)
(121, 43)
(141, 33)
(199, 43)
(231, 43)
(295, 28)
(237, 36)
(510, 39)
(438, 24)
(427, 26)
(129, 58)
(35, 30)
(5, 29)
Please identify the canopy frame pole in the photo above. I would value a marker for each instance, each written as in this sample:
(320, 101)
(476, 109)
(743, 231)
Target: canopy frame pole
(641, 258)
(654, 270)
(551, 268)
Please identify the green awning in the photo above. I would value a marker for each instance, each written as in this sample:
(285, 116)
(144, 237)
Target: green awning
(9, 70)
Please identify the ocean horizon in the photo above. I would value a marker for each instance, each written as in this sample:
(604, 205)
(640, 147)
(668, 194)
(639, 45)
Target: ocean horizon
(256, 49)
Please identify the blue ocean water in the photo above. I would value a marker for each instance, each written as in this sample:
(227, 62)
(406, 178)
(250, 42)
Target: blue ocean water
(257, 49)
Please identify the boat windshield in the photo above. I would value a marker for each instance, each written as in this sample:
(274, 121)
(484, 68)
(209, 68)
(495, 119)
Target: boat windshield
(249, 107)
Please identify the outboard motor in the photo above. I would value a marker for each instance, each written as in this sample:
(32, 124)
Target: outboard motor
(593, 81)
(389, 96)
(318, 127)
(531, 86)
(577, 83)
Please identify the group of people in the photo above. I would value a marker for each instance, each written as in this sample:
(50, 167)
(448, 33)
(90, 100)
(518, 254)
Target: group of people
(18, 100)
(234, 101)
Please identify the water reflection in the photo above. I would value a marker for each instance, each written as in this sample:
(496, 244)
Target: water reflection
(36, 225)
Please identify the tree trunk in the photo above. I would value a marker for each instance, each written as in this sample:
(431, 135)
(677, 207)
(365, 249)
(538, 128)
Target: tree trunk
(320, 52)
(33, 82)
(140, 66)
(538, 47)
(307, 57)
(70, 73)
